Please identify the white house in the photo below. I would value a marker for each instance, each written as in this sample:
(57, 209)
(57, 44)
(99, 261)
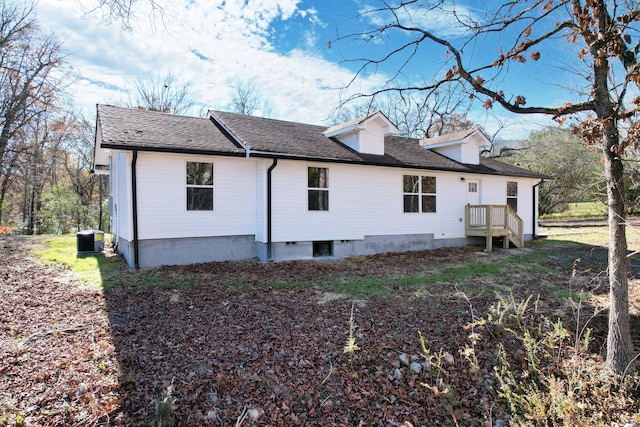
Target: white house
(227, 187)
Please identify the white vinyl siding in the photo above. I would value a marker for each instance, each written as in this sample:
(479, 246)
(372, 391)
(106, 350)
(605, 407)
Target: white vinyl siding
(365, 201)
(120, 193)
(494, 192)
(161, 198)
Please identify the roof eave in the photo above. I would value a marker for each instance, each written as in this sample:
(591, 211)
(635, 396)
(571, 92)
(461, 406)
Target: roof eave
(174, 150)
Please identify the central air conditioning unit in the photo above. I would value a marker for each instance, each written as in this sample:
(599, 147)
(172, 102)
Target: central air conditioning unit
(90, 242)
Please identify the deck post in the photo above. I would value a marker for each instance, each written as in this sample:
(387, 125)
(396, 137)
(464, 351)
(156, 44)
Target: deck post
(489, 225)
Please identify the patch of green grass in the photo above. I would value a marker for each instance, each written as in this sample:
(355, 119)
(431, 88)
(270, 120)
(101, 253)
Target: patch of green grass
(89, 270)
(358, 286)
(569, 294)
(583, 210)
(457, 273)
(529, 263)
(490, 274)
(98, 271)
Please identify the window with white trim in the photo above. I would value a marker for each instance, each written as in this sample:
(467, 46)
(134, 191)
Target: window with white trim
(199, 186)
(318, 189)
(419, 193)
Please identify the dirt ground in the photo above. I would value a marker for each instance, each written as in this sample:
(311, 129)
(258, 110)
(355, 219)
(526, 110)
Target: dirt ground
(238, 343)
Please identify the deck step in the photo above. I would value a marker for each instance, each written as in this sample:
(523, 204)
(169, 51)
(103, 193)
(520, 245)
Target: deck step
(495, 221)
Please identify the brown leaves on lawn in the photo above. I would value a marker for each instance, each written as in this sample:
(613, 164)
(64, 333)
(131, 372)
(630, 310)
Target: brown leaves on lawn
(240, 343)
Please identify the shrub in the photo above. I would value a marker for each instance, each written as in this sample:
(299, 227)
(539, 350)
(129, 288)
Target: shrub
(549, 378)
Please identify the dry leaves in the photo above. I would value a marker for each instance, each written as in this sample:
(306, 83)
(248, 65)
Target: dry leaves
(231, 349)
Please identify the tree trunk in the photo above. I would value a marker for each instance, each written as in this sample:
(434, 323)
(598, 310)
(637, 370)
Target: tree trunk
(32, 213)
(619, 346)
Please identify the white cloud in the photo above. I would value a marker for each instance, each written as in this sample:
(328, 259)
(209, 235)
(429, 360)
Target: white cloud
(209, 44)
(445, 20)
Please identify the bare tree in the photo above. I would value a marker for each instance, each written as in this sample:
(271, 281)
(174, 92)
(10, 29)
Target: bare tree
(414, 116)
(604, 36)
(28, 84)
(164, 94)
(78, 145)
(247, 99)
(14, 21)
(38, 165)
(123, 11)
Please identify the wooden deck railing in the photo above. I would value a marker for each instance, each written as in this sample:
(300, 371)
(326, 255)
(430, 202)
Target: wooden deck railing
(494, 221)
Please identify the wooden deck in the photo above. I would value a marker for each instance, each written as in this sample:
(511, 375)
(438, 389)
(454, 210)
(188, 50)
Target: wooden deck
(494, 221)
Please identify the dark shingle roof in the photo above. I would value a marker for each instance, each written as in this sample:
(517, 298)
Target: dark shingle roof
(149, 130)
(228, 133)
(285, 138)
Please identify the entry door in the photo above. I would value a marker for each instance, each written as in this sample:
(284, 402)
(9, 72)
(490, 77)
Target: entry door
(473, 192)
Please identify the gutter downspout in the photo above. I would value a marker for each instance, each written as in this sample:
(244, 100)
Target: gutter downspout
(269, 228)
(134, 203)
(535, 209)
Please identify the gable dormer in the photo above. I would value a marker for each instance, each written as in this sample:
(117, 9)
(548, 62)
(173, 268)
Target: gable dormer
(463, 146)
(364, 134)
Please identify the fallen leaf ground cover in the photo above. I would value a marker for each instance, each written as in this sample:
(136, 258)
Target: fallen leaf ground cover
(392, 339)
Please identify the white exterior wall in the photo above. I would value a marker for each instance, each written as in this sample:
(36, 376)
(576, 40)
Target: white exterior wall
(120, 193)
(470, 153)
(493, 191)
(262, 167)
(467, 153)
(372, 138)
(363, 201)
(351, 140)
(453, 152)
(162, 211)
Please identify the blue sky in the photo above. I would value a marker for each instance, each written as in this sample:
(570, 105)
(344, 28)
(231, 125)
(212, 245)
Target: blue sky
(282, 47)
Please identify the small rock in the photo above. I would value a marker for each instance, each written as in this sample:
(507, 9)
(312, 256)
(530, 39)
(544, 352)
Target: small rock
(488, 383)
(397, 374)
(212, 415)
(404, 358)
(82, 389)
(499, 423)
(328, 403)
(426, 366)
(449, 358)
(415, 367)
(255, 413)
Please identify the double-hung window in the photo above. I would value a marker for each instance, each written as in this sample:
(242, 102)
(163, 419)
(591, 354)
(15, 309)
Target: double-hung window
(512, 195)
(199, 186)
(318, 189)
(419, 193)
